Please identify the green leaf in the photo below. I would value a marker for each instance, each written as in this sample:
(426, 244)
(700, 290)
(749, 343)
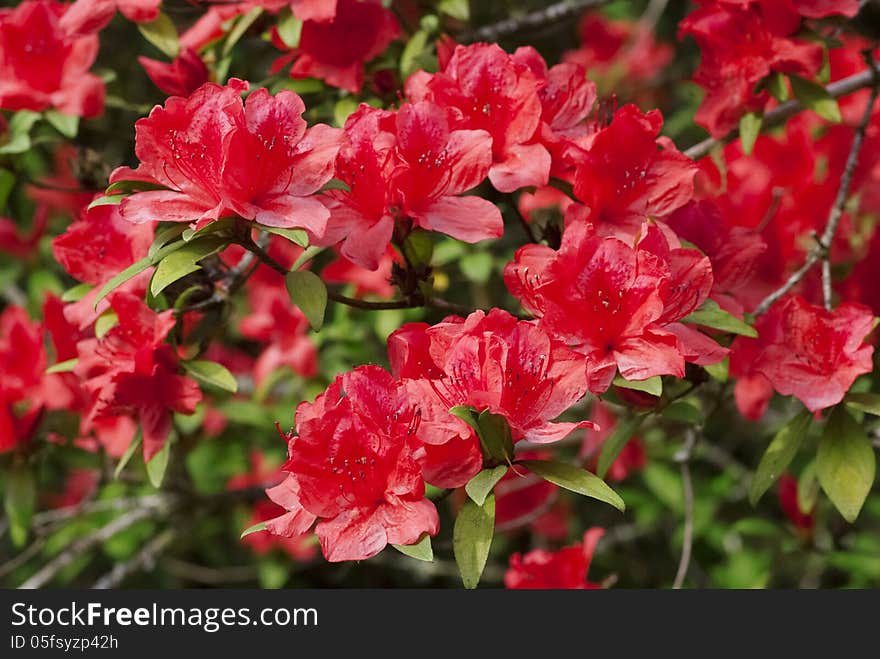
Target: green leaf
(412, 53)
(309, 293)
(296, 236)
(21, 494)
(76, 293)
(612, 446)
(105, 322)
(418, 248)
(183, 261)
(129, 453)
(775, 84)
(422, 550)
(816, 98)
(19, 131)
(779, 455)
(653, 386)
(158, 464)
(458, 9)
(343, 109)
(749, 129)
(66, 124)
(492, 429)
(575, 479)
(472, 538)
(256, 528)
(212, 373)
(289, 30)
(845, 463)
(241, 26)
(683, 411)
(162, 34)
(7, 183)
(808, 488)
(63, 367)
(107, 200)
(165, 236)
(127, 187)
(866, 402)
(711, 315)
(481, 485)
(719, 371)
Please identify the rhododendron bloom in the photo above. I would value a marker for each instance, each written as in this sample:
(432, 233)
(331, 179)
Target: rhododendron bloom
(487, 89)
(179, 78)
(130, 371)
(628, 301)
(41, 67)
(802, 350)
(489, 362)
(335, 49)
(354, 467)
(628, 173)
(408, 165)
(22, 363)
(564, 569)
(219, 156)
(741, 44)
(804, 521)
(89, 16)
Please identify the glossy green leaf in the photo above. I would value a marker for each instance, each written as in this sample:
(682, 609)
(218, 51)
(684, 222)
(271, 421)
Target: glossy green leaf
(575, 479)
(779, 455)
(289, 29)
(808, 488)
(183, 261)
(845, 463)
(309, 293)
(105, 322)
(127, 187)
(129, 453)
(212, 373)
(711, 315)
(653, 386)
(864, 402)
(256, 528)
(412, 53)
(612, 446)
(418, 248)
(421, 550)
(775, 84)
(296, 236)
(66, 124)
(158, 464)
(472, 539)
(162, 34)
(816, 98)
(7, 183)
(242, 25)
(481, 485)
(63, 367)
(106, 200)
(749, 129)
(458, 9)
(76, 293)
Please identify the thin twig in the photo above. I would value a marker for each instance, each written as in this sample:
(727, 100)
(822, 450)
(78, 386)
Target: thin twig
(143, 560)
(536, 20)
(86, 543)
(822, 250)
(208, 575)
(14, 563)
(684, 457)
(783, 112)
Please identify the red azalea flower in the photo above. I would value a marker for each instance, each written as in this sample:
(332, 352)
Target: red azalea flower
(490, 362)
(131, 371)
(489, 90)
(628, 174)
(631, 458)
(367, 282)
(313, 10)
(742, 43)
(91, 16)
(17, 243)
(408, 165)
(802, 350)
(804, 521)
(22, 366)
(628, 301)
(336, 50)
(100, 244)
(204, 149)
(179, 78)
(617, 51)
(564, 569)
(41, 67)
(354, 467)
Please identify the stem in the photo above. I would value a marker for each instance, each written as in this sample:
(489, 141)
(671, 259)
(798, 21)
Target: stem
(555, 13)
(688, 492)
(822, 250)
(781, 113)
